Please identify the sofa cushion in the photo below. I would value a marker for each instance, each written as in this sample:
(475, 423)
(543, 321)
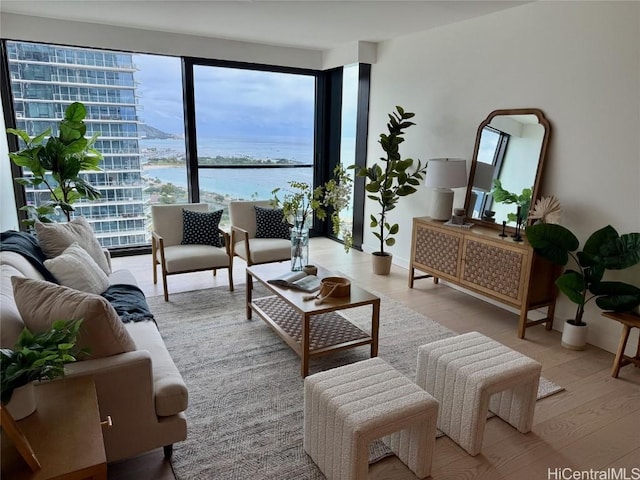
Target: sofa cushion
(12, 324)
(54, 238)
(74, 268)
(40, 303)
(22, 265)
(201, 228)
(170, 390)
(270, 223)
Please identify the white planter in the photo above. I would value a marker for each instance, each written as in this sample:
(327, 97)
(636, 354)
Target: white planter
(574, 337)
(23, 402)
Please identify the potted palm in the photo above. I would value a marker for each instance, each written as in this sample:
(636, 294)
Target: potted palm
(387, 184)
(55, 162)
(35, 357)
(604, 250)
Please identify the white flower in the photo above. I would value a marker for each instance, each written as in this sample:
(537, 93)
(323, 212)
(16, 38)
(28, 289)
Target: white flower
(546, 210)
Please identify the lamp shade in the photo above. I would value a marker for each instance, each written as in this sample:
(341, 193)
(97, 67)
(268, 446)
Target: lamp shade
(483, 177)
(446, 173)
(443, 174)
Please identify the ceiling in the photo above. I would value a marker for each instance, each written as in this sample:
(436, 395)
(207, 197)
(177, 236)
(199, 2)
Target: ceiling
(310, 24)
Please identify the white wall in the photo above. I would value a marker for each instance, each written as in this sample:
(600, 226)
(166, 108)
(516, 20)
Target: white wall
(579, 62)
(8, 214)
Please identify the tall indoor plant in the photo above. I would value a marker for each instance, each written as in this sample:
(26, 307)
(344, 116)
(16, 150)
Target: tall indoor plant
(55, 162)
(604, 250)
(388, 183)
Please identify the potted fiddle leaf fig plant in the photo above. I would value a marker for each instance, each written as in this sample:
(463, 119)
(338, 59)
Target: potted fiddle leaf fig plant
(387, 184)
(55, 162)
(36, 357)
(604, 250)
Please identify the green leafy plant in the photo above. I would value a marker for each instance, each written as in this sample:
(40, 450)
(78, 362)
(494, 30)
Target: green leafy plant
(38, 356)
(523, 200)
(55, 162)
(386, 185)
(603, 250)
(300, 203)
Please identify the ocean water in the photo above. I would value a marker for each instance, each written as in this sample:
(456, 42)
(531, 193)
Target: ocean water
(254, 183)
(239, 184)
(295, 149)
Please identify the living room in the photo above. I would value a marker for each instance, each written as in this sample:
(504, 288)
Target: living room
(576, 61)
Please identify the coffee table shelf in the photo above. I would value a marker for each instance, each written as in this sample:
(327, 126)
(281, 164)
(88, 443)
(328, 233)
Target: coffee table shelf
(311, 330)
(328, 332)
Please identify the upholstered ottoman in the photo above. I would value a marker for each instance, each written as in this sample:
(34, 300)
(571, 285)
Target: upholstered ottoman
(470, 374)
(348, 407)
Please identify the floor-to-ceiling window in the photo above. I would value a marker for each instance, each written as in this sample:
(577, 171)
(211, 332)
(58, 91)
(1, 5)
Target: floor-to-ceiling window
(247, 129)
(254, 132)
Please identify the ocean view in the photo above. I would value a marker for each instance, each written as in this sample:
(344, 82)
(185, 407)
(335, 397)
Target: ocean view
(235, 184)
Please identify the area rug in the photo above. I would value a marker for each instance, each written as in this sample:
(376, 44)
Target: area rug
(245, 415)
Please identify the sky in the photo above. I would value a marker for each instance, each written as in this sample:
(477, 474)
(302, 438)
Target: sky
(228, 101)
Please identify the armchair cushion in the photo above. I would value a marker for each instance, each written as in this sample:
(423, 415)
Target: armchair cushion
(54, 238)
(74, 268)
(40, 303)
(201, 228)
(270, 223)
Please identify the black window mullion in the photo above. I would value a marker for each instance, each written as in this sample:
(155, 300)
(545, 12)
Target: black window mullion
(362, 134)
(190, 137)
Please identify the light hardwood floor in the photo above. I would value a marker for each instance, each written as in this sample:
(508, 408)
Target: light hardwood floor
(594, 424)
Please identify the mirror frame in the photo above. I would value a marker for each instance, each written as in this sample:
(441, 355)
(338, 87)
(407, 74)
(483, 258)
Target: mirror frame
(542, 120)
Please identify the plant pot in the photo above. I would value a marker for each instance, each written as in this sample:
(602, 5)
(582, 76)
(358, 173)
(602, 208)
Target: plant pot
(574, 337)
(381, 263)
(23, 402)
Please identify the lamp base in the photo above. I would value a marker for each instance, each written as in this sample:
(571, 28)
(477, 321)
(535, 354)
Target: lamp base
(441, 203)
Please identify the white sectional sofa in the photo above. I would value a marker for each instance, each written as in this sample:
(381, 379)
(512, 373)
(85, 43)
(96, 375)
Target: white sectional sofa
(141, 389)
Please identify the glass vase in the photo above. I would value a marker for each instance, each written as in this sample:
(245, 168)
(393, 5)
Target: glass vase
(299, 248)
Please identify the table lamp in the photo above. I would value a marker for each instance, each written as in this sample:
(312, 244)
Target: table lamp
(443, 174)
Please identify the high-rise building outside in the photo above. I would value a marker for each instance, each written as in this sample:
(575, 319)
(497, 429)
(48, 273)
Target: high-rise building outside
(45, 79)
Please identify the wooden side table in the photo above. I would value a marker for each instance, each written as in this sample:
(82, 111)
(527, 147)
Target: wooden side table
(628, 320)
(64, 433)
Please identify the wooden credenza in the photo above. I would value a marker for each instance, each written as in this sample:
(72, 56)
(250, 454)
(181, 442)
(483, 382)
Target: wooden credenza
(479, 260)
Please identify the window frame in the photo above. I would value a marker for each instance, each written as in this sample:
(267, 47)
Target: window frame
(327, 122)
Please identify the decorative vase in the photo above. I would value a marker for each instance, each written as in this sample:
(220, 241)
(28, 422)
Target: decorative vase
(574, 337)
(299, 248)
(381, 263)
(23, 401)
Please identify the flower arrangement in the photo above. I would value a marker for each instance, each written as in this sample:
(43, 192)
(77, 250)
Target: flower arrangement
(300, 202)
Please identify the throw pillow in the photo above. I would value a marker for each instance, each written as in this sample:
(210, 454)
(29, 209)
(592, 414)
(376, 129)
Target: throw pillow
(74, 268)
(270, 223)
(41, 303)
(201, 228)
(54, 238)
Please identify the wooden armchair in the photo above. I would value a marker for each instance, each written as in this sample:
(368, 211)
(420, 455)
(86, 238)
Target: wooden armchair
(168, 251)
(244, 243)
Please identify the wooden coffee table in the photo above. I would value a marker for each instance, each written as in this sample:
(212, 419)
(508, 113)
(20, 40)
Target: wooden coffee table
(311, 330)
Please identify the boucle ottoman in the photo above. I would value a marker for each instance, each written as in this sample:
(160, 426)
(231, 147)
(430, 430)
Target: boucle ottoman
(470, 374)
(348, 407)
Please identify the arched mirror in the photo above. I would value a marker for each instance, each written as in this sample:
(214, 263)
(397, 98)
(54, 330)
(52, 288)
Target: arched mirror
(506, 168)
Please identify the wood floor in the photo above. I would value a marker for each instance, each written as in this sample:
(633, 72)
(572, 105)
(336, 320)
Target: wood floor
(594, 424)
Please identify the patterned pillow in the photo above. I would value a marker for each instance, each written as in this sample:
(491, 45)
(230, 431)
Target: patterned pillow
(201, 228)
(270, 224)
